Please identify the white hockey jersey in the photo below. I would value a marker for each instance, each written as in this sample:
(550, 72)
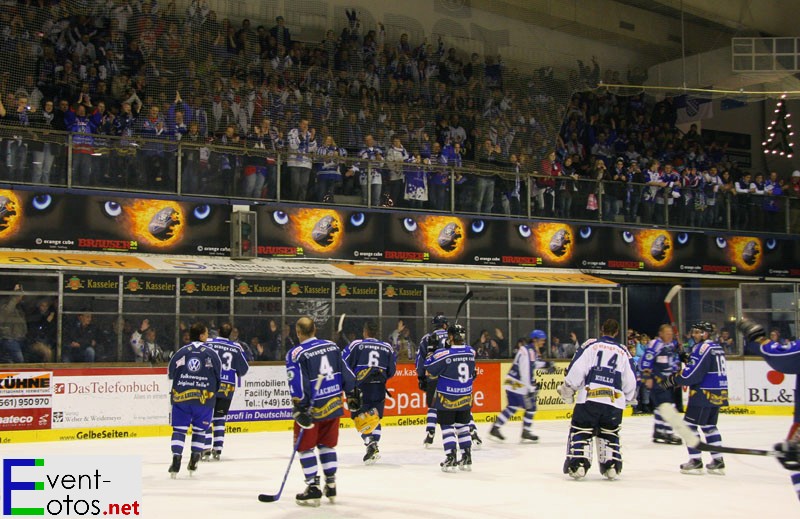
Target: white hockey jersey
(602, 370)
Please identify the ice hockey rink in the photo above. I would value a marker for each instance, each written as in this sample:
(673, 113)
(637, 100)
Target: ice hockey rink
(508, 480)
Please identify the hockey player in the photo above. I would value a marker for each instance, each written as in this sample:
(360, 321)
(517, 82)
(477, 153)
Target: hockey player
(429, 343)
(453, 366)
(234, 367)
(311, 360)
(195, 373)
(661, 359)
(707, 379)
(786, 359)
(602, 374)
(373, 362)
(521, 388)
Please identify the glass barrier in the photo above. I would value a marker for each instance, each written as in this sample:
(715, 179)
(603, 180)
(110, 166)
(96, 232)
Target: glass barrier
(229, 168)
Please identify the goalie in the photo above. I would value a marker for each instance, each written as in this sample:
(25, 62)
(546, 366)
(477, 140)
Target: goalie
(786, 359)
(373, 362)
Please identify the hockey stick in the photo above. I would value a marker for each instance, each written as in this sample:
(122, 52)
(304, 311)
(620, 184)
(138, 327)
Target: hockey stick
(341, 324)
(271, 498)
(693, 441)
(466, 298)
(668, 304)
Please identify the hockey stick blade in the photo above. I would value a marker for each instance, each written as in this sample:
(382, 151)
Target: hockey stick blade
(271, 498)
(341, 323)
(672, 293)
(466, 298)
(672, 417)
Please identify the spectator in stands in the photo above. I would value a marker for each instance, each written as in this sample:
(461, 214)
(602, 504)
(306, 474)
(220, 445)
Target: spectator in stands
(302, 142)
(371, 176)
(396, 155)
(488, 158)
(144, 345)
(79, 340)
(773, 192)
(281, 33)
(13, 328)
(744, 190)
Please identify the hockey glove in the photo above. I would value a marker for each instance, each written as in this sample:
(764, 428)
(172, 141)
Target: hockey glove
(303, 418)
(422, 383)
(354, 400)
(667, 382)
(684, 356)
(751, 330)
(567, 393)
(550, 367)
(789, 455)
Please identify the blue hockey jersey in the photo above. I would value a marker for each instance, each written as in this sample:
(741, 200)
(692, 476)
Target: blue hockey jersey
(429, 343)
(786, 359)
(454, 369)
(315, 358)
(706, 376)
(660, 359)
(371, 360)
(234, 364)
(195, 371)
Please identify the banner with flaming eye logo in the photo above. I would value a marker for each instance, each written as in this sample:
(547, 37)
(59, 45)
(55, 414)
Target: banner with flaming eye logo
(59, 221)
(292, 232)
(10, 214)
(552, 243)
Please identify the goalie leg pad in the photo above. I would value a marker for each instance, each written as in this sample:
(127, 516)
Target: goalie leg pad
(579, 449)
(609, 455)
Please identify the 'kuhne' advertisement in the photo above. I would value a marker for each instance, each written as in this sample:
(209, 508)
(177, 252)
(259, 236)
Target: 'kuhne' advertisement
(63, 221)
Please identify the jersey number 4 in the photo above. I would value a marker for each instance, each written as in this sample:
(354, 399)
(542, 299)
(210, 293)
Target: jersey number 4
(325, 368)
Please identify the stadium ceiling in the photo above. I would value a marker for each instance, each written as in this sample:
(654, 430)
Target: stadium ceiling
(767, 17)
(653, 27)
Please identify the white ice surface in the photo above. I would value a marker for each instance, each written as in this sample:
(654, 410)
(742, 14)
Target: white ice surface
(508, 480)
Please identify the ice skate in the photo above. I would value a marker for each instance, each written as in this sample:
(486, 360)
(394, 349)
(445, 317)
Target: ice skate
(450, 463)
(528, 436)
(330, 488)
(476, 440)
(576, 468)
(717, 467)
(193, 461)
(176, 466)
(428, 441)
(611, 470)
(372, 454)
(216, 453)
(312, 494)
(465, 463)
(495, 434)
(666, 438)
(693, 467)
(206, 456)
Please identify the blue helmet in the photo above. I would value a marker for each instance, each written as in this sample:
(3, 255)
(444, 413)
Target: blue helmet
(439, 319)
(537, 334)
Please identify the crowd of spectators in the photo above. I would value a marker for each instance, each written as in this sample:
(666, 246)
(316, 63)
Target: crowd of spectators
(131, 79)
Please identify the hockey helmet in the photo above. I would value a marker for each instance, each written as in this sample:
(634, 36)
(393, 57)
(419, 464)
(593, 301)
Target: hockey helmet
(439, 319)
(537, 334)
(703, 326)
(458, 332)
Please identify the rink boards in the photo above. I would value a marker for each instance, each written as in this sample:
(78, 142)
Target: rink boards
(98, 403)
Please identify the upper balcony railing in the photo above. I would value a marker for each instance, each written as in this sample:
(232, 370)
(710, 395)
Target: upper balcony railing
(136, 165)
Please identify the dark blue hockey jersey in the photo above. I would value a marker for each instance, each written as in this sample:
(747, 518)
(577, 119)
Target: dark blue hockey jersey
(660, 359)
(454, 369)
(371, 360)
(195, 372)
(429, 343)
(706, 375)
(315, 358)
(234, 364)
(786, 359)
